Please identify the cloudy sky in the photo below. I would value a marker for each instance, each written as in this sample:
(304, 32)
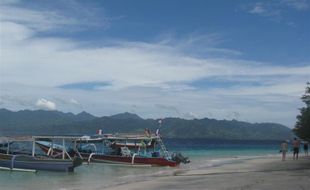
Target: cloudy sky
(244, 60)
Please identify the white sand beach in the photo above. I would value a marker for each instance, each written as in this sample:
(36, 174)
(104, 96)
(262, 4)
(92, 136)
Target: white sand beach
(259, 173)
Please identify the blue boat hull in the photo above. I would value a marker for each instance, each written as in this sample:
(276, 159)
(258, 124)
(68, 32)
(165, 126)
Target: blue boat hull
(37, 163)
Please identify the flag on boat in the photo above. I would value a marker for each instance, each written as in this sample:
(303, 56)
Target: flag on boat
(157, 132)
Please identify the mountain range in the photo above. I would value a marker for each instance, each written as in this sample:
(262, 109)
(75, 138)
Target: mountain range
(41, 122)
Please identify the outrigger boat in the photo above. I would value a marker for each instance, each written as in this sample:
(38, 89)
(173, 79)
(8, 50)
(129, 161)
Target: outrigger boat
(121, 149)
(37, 163)
(21, 161)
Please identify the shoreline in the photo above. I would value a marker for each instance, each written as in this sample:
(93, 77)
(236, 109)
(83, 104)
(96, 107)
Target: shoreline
(255, 173)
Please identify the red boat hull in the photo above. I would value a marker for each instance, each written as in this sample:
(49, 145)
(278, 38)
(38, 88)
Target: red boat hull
(115, 159)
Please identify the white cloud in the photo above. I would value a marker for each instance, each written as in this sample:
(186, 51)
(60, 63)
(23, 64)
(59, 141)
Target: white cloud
(74, 16)
(254, 104)
(300, 5)
(257, 9)
(58, 61)
(45, 104)
(277, 10)
(268, 9)
(55, 62)
(9, 2)
(73, 101)
(151, 78)
(36, 20)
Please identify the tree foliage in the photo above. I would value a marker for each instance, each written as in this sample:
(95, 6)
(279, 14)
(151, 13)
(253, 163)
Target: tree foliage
(302, 127)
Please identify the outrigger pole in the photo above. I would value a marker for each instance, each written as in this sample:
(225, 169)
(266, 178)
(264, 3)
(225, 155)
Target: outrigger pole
(33, 146)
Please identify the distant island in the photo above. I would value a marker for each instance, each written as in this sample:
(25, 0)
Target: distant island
(39, 122)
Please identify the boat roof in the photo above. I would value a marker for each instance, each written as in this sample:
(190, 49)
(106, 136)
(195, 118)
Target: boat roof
(15, 138)
(35, 138)
(128, 136)
(116, 136)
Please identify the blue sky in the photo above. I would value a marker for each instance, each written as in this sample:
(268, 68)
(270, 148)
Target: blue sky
(246, 60)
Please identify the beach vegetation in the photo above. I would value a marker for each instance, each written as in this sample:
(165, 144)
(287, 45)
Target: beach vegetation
(302, 127)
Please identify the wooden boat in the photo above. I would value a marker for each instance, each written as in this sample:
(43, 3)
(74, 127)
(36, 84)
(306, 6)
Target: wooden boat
(133, 159)
(129, 159)
(14, 159)
(38, 163)
(125, 153)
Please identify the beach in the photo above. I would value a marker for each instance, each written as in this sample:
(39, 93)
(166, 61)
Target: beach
(256, 173)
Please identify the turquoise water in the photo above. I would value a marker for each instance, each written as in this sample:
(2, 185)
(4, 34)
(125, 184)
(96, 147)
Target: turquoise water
(202, 153)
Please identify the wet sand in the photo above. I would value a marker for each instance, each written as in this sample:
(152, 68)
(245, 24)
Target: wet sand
(259, 173)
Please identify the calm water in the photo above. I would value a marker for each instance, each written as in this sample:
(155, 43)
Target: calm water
(202, 153)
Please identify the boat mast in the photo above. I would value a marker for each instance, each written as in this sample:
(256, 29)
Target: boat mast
(160, 141)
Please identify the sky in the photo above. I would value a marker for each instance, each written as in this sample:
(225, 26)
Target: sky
(244, 60)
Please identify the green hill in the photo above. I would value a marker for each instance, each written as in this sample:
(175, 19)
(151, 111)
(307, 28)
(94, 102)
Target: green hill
(54, 122)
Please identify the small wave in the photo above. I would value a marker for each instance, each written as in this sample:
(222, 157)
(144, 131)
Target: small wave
(204, 163)
(194, 165)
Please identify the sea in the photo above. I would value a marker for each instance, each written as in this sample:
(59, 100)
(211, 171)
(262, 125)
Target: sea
(203, 153)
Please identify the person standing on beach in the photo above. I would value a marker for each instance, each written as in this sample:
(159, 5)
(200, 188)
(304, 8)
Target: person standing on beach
(283, 149)
(296, 145)
(306, 148)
